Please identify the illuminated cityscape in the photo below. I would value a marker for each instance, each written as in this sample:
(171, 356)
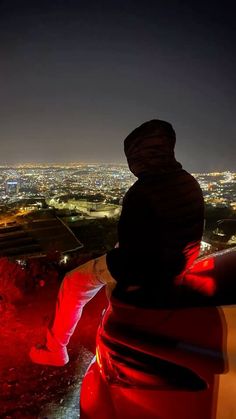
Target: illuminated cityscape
(78, 192)
(219, 189)
(104, 183)
(95, 182)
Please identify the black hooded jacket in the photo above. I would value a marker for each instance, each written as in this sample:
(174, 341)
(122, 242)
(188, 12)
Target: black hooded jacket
(161, 222)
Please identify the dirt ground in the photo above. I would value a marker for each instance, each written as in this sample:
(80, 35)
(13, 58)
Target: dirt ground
(30, 391)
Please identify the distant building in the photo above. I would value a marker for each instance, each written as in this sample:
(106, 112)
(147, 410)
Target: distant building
(12, 186)
(87, 208)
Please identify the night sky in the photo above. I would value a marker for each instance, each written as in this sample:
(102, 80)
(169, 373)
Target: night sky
(77, 76)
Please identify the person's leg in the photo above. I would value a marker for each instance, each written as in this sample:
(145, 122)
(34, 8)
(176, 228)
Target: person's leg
(78, 287)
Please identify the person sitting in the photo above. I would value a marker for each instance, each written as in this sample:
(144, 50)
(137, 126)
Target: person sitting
(159, 233)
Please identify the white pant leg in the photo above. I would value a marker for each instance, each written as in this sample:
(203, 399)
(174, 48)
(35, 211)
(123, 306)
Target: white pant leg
(78, 287)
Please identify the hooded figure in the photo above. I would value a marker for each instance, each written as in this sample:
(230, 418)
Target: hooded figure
(161, 222)
(159, 233)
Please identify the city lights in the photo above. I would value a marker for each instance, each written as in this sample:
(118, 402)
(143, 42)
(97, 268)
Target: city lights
(86, 191)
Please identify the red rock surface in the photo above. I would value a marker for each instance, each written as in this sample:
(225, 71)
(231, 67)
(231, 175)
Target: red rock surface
(33, 391)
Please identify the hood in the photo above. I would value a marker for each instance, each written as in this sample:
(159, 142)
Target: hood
(150, 148)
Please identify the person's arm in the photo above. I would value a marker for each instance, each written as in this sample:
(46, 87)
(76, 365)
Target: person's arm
(126, 262)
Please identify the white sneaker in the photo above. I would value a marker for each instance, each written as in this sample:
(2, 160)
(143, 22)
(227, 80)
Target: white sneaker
(42, 355)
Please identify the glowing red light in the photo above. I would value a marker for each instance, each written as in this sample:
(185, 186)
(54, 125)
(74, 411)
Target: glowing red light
(200, 277)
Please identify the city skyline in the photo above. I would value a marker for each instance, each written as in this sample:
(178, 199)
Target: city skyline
(84, 164)
(78, 77)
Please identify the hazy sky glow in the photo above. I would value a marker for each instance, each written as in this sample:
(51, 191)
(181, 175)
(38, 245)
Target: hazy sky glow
(78, 76)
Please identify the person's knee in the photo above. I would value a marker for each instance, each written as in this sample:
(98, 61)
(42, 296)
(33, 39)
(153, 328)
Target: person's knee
(77, 280)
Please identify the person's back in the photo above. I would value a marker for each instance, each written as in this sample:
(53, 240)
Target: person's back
(161, 223)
